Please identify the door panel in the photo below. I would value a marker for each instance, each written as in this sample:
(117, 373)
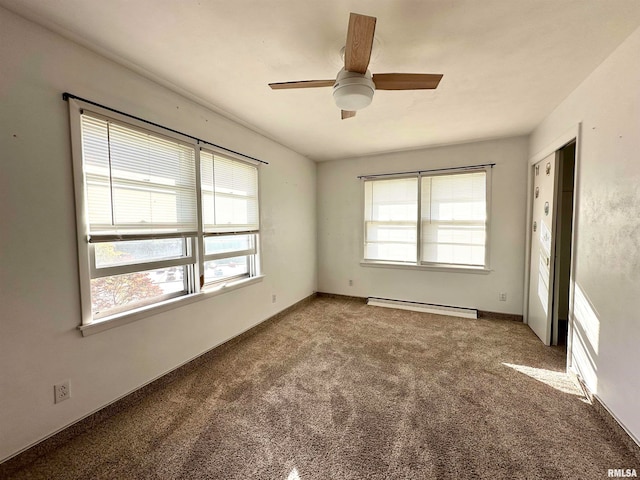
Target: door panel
(540, 310)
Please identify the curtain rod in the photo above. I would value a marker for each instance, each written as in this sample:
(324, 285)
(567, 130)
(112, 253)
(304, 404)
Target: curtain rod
(66, 96)
(468, 167)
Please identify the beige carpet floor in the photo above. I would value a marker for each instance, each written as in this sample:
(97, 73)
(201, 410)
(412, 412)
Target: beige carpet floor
(341, 390)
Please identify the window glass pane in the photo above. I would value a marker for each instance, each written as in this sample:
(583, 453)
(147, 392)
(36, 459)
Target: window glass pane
(391, 211)
(229, 194)
(236, 193)
(225, 268)
(137, 181)
(109, 254)
(119, 293)
(456, 197)
(230, 243)
(392, 241)
(454, 218)
(392, 252)
(392, 200)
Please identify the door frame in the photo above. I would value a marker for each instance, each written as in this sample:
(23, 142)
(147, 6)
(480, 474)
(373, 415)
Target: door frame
(573, 134)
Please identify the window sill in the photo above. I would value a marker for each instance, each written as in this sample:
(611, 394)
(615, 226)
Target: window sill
(434, 268)
(114, 321)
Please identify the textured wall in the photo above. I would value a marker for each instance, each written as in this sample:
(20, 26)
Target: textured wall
(340, 223)
(607, 333)
(39, 294)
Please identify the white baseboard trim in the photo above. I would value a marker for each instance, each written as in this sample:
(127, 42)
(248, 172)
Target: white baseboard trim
(603, 409)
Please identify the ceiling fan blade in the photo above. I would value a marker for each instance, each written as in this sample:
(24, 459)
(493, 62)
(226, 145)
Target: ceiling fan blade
(347, 114)
(302, 84)
(406, 81)
(357, 52)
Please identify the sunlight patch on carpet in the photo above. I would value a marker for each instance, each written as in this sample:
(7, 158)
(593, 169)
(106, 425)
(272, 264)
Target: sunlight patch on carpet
(558, 380)
(293, 474)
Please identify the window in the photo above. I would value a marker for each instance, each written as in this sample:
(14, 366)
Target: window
(159, 217)
(230, 212)
(427, 219)
(391, 219)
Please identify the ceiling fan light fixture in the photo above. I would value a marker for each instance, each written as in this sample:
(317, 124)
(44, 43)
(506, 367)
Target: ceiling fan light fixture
(354, 86)
(353, 91)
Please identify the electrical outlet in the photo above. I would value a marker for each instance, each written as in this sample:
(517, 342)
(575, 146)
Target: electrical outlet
(61, 391)
(502, 296)
(351, 283)
(273, 298)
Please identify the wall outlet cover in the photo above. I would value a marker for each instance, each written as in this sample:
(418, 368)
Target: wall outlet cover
(61, 391)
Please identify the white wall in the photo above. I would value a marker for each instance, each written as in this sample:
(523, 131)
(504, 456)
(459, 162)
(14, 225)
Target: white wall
(39, 297)
(607, 250)
(340, 220)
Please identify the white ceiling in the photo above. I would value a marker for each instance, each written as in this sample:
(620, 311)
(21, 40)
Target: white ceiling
(506, 63)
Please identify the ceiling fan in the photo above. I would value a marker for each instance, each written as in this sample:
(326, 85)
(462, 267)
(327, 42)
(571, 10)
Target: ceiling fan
(354, 86)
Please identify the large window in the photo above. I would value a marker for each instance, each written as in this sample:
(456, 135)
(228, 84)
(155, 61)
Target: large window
(427, 219)
(159, 217)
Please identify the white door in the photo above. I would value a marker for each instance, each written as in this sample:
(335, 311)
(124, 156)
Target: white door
(542, 227)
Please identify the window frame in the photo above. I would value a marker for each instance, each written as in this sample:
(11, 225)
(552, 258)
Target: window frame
(251, 255)
(419, 263)
(184, 261)
(396, 222)
(193, 259)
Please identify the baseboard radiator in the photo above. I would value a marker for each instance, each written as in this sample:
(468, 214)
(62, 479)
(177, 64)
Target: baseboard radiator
(423, 307)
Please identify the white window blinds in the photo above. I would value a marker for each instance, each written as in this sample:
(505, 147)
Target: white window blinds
(391, 223)
(229, 194)
(137, 182)
(454, 216)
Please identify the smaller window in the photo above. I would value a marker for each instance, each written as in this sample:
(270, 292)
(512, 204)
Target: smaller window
(454, 219)
(119, 293)
(391, 219)
(230, 218)
(228, 257)
(428, 219)
(134, 273)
